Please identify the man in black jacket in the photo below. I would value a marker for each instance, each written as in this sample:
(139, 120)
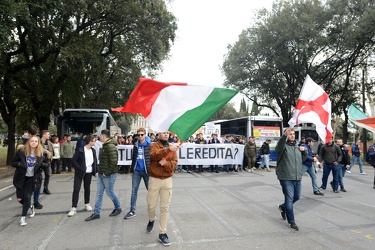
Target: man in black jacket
(265, 155)
(344, 164)
(331, 155)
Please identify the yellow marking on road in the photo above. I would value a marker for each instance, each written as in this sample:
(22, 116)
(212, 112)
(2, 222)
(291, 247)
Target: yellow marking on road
(356, 232)
(56, 218)
(369, 237)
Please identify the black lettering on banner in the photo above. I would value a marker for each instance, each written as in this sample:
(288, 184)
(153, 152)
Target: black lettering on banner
(190, 153)
(120, 153)
(205, 153)
(236, 152)
(180, 156)
(228, 154)
(129, 154)
(220, 152)
(212, 153)
(198, 153)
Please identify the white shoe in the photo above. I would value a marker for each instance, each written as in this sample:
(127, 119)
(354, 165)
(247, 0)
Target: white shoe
(23, 221)
(31, 211)
(363, 173)
(348, 172)
(88, 207)
(250, 170)
(72, 211)
(253, 168)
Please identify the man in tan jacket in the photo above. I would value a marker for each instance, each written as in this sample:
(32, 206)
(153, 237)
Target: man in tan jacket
(163, 158)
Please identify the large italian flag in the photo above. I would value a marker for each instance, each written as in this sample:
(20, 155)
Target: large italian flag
(361, 119)
(176, 107)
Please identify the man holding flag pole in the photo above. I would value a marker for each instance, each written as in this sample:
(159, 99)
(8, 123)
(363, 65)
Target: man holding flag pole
(175, 107)
(313, 106)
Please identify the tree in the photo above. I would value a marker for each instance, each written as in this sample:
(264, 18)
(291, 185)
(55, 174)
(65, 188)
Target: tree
(59, 54)
(226, 112)
(244, 109)
(254, 107)
(327, 41)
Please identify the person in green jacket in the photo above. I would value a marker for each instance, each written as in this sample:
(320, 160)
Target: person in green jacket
(107, 173)
(290, 157)
(67, 152)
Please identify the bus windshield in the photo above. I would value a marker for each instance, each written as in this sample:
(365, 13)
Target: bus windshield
(87, 121)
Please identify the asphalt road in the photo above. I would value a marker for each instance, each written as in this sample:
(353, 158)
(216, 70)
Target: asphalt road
(208, 211)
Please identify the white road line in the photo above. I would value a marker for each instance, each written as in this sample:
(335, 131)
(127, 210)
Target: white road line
(6, 188)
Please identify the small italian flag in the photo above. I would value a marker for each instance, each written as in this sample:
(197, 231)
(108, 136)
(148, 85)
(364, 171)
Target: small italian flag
(176, 107)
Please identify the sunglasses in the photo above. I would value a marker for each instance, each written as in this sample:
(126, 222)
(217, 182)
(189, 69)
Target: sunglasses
(141, 134)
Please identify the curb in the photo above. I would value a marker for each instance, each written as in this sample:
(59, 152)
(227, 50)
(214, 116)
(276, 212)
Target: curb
(3, 176)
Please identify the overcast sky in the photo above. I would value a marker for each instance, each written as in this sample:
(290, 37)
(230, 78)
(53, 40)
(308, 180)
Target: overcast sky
(205, 28)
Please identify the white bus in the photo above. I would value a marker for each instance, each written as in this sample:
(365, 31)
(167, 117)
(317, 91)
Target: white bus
(308, 131)
(87, 121)
(261, 127)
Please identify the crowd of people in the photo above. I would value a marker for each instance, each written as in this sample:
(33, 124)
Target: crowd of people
(154, 160)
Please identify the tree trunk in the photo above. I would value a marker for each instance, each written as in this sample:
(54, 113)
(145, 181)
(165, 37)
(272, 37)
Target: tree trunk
(11, 140)
(43, 122)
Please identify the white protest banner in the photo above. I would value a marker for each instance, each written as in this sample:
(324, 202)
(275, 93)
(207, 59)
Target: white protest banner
(195, 154)
(125, 154)
(210, 154)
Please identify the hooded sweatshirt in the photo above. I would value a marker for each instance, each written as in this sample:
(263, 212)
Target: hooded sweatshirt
(141, 156)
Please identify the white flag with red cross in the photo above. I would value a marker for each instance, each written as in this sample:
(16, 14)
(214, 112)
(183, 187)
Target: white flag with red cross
(313, 106)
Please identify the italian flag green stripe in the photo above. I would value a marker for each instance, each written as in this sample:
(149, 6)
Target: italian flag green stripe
(192, 119)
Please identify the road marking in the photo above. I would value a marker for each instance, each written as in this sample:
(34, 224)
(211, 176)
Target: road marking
(369, 236)
(6, 188)
(48, 238)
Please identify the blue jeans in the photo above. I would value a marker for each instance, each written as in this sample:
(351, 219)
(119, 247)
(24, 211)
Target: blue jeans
(292, 193)
(356, 159)
(327, 168)
(136, 180)
(107, 183)
(341, 175)
(266, 161)
(311, 172)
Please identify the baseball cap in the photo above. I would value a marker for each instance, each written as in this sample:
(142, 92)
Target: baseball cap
(309, 139)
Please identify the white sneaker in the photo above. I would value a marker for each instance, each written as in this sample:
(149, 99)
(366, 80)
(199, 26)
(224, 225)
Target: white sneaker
(72, 211)
(250, 170)
(348, 172)
(363, 173)
(23, 221)
(31, 211)
(88, 207)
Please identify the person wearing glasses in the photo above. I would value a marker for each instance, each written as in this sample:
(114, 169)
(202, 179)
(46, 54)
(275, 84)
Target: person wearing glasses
(140, 168)
(85, 164)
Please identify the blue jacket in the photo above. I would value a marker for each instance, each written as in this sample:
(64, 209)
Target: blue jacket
(146, 155)
(355, 150)
(310, 159)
